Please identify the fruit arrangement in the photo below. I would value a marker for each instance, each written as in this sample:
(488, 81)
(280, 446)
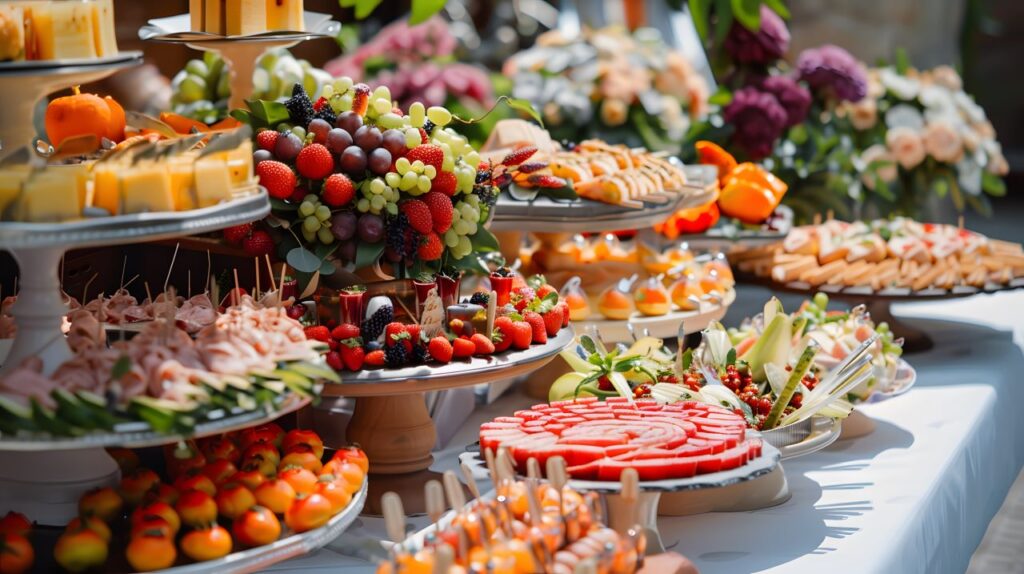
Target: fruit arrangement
(32, 30)
(214, 496)
(600, 439)
(202, 88)
(882, 254)
(506, 318)
(358, 180)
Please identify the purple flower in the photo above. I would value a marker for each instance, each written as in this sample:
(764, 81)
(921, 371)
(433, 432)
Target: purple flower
(833, 73)
(793, 97)
(758, 119)
(764, 46)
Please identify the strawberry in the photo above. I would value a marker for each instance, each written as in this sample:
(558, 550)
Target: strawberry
(544, 180)
(361, 99)
(332, 344)
(374, 358)
(334, 361)
(278, 178)
(540, 334)
(502, 334)
(318, 333)
(432, 247)
(424, 137)
(545, 289)
(463, 348)
(440, 209)
(395, 333)
(315, 162)
(258, 244)
(414, 333)
(522, 334)
(319, 104)
(429, 154)
(346, 331)
(338, 190)
(520, 155)
(565, 312)
(484, 346)
(440, 349)
(418, 214)
(353, 357)
(444, 182)
(553, 321)
(267, 139)
(236, 234)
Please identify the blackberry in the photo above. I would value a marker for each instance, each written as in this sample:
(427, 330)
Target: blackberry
(486, 194)
(327, 114)
(428, 126)
(374, 326)
(479, 298)
(395, 355)
(483, 176)
(300, 108)
(397, 236)
(419, 354)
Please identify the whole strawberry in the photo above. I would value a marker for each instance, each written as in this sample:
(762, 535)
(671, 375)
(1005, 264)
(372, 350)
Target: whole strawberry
(277, 178)
(414, 333)
(545, 289)
(522, 335)
(520, 155)
(318, 333)
(553, 321)
(258, 244)
(429, 154)
(314, 162)
(431, 248)
(444, 183)
(483, 345)
(353, 355)
(334, 361)
(374, 358)
(565, 312)
(501, 335)
(418, 214)
(267, 139)
(441, 209)
(346, 331)
(396, 333)
(463, 348)
(338, 190)
(440, 349)
(536, 322)
(236, 234)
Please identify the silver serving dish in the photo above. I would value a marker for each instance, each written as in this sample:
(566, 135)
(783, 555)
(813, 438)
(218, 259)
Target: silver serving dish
(70, 65)
(178, 30)
(805, 437)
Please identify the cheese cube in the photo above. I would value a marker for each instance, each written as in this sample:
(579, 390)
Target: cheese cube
(239, 163)
(51, 195)
(64, 30)
(11, 180)
(285, 15)
(182, 183)
(106, 187)
(104, 31)
(147, 187)
(12, 33)
(245, 17)
(213, 184)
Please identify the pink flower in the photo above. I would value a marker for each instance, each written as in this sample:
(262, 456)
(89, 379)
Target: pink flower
(942, 142)
(886, 173)
(906, 146)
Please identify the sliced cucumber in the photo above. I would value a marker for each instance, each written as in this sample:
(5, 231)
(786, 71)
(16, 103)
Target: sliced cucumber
(314, 371)
(72, 410)
(47, 421)
(15, 416)
(803, 364)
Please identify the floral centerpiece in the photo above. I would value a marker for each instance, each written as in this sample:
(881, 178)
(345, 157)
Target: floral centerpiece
(612, 85)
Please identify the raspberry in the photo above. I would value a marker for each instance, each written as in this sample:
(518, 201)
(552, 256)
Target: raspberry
(444, 182)
(361, 99)
(519, 156)
(547, 181)
(318, 333)
(266, 139)
(484, 346)
(236, 234)
(463, 348)
(418, 214)
(429, 154)
(277, 177)
(314, 162)
(258, 244)
(440, 210)
(338, 190)
(431, 248)
(440, 349)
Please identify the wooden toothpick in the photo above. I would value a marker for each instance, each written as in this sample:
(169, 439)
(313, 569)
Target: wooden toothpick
(171, 266)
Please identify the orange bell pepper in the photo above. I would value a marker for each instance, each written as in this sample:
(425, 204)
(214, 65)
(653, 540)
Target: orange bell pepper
(755, 174)
(692, 220)
(709, 153)
(181, 124)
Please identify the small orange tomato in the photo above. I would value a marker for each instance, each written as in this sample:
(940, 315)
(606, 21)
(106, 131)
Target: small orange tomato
(269, 433)
(195, 481)
(164, 493)
(104, 503)
(207, 543)
(136, 484)
(16, 554)
(335, 492)
(251, 478)
(301, 455)
(80, 550)
(308, 512)
(355, 455)
(234, 499)
(265, 466)
(256, 527)
(152, 524)
(151, 550)
(306, 437)
(219, 471)
(196, 508)
(15, 523)
(302, 480)
(263, 450)
(183, 458)
(126, 459)
(220, 448)
(275, 494)
(161, 509)
(92, 523)
(351, 473)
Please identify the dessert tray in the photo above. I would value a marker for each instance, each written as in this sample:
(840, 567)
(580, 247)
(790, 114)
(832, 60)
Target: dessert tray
(663, 326)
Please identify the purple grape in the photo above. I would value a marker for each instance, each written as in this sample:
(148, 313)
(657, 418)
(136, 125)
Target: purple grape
(319, 128)
(347, 251)
(349, 121)
(394, 142)
(261, 155)
(343, 225)
(287, 147)
(370, 228)
(337, 140)
(380, 161)
(353, 161)
(368, 137)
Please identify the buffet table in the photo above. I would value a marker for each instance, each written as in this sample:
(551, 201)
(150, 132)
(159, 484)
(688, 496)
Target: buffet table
(916, 495)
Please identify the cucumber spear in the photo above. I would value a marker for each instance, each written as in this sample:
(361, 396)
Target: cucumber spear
(803, 364)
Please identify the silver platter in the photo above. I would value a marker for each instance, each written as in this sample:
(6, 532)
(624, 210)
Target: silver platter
(177, 30)
(70, 66)
(805, 437)
(138, 434)
(133, 228)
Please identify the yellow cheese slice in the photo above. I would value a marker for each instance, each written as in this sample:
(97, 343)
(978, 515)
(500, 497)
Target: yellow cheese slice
(213, 183)
(147, 187)
(284, 15)
(245, 17)
(64, 30)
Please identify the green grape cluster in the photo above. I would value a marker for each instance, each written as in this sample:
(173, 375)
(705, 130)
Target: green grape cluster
(316, 220)
(378, 196)
(466, 219)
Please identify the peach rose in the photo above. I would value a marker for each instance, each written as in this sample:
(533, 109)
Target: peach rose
(613, 112)
(887, 173)
(947, 77)
(906, 146)
(942, 142)
(864, 114)
(997, 164)
(984, 130)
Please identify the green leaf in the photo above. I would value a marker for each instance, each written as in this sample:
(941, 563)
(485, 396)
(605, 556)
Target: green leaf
(779, 7)
(483, 241)
(565, 193)
(700, 13)
(588, 344)
(368, 253)
(902, 61)
(327, 267)
(687, 359)
(723, 21)
(748, 13)
(422, 10)
(471, 264)
(722, 97)
(521, 105)
(730, 357)
(980, 203)
(993, 184)
(304, 260)
(798, 134)
(346, 3)
(365, 7)
(267, 112)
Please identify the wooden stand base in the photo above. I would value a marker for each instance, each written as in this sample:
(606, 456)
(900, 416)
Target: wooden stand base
(763, 492)
(396, 432)
(857, 425)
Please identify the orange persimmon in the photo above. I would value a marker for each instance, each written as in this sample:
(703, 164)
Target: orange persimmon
(748, 202)
(753, 173)
(84, 114)
(710, 153)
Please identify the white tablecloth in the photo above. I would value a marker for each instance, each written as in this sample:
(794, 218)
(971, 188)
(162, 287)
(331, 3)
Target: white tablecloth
(914, 496)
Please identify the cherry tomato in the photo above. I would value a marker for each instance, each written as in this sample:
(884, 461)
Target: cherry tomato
(250, 478)
(163, 493)
(275, 494)
(196, 508)
(136, 484)
(256, 527)
(152, 524)
(161, 509)
(302, 480)
(195, 481)
(15, 523)
(16, 554)
(183, 458)
(220, 448)
(270, 433)
(219, 471)
(233, 500)
(104, 503)
(334, 491)
(308, 512)
(261, 449)
(151, 551)
(304, 437)
(207, 543)
(355, 455)
(92, 523)
(80, 550)
(126, 459)
(301, 455)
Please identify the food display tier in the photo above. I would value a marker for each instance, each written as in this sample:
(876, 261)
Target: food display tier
(240, 53)
(806, 437)
(662, 326)
(139, 434)
(724, 236)
(24, 84)
(544, 214)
